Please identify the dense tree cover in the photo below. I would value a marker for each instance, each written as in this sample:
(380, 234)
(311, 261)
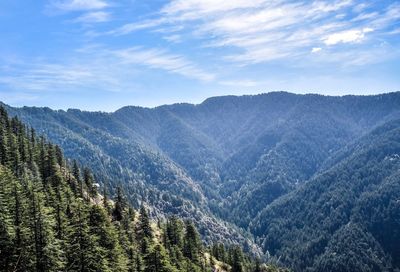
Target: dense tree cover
(229, 161)
(345, 219)
(119, 157)
(52, 218)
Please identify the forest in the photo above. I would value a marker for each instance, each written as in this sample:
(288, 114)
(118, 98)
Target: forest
(309, 182)
(54, 218)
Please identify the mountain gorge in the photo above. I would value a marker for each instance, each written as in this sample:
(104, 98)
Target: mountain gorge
(53, 218)
(303, 178)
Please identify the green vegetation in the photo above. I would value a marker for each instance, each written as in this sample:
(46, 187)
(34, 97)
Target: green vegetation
(53, 219)
(346, 218)
(308, 181)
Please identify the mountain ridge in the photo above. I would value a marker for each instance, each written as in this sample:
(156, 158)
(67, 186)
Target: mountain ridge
(221, 162)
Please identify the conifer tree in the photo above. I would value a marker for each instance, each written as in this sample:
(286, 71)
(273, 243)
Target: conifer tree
(6, 230)
(76, 172)
(83, 253)
(174, 231)
(157, 260)
(192, 245)
(88, 180)
(106, 235)
(120, 205)
(47, 248)
(144, 228)
(237, 260)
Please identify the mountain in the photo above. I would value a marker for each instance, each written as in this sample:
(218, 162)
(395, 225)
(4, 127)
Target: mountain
(233, 164)
(348, 214)
(52, 218)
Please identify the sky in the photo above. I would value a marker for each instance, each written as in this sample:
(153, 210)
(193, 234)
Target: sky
(105, 54)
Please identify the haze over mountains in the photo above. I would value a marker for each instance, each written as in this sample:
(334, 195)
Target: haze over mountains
(311, 179)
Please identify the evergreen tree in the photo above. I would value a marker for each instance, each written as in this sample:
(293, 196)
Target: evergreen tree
(237, 259)
(106, 235)
(88, 180)
(192, 245)
(47, 248)
(144, 228)
(6, 230)
(83, 253)
(174, 231)
(120, 205)
(76, 172)
(157, 260)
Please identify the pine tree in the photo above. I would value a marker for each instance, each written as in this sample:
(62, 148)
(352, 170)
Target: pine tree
(144, 228)
(3, 145)
(83, 253)
(106, 203)
(106, 235)
(157, 260)
(6, 230)
(120, 205)
(192, 245)
(174, 231)
(76, 172)
(237, 260)
(49, 255)
(88, 180)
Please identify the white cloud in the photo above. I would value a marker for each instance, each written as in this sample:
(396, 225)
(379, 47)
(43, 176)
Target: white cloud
(255, 31)
(94, 17)
(51, 76)
(159, 59)
(329, 6)
(240, 83)
(95, 67)
(316, 49)
(348, 36)
(193, 9)
(132, 27)
(77, 5)
(264, 31)
(175, 38)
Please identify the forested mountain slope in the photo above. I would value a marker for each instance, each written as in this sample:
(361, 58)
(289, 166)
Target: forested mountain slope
(346, 218)
(118, 160)
(52, 218)
(260, 143)
(230, 159)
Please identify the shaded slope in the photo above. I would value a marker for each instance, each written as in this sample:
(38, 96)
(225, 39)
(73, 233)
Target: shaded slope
(358, 196)
(228, 157)
(146, 175)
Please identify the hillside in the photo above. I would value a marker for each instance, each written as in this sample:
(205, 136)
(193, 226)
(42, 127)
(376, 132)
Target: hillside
(96, 140)
(52, 218)
(347, 218)
(236, 165)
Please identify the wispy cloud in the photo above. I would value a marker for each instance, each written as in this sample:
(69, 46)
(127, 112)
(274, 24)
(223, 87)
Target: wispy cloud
(240, 83)
(51, 76)
(78, 5)
(94, 17)
(96, 67)
(348, 36)
(132, 27)
(175, 38)
(160, 59)
(264, 31)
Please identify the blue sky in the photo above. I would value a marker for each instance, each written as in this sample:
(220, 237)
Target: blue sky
(104, 54)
